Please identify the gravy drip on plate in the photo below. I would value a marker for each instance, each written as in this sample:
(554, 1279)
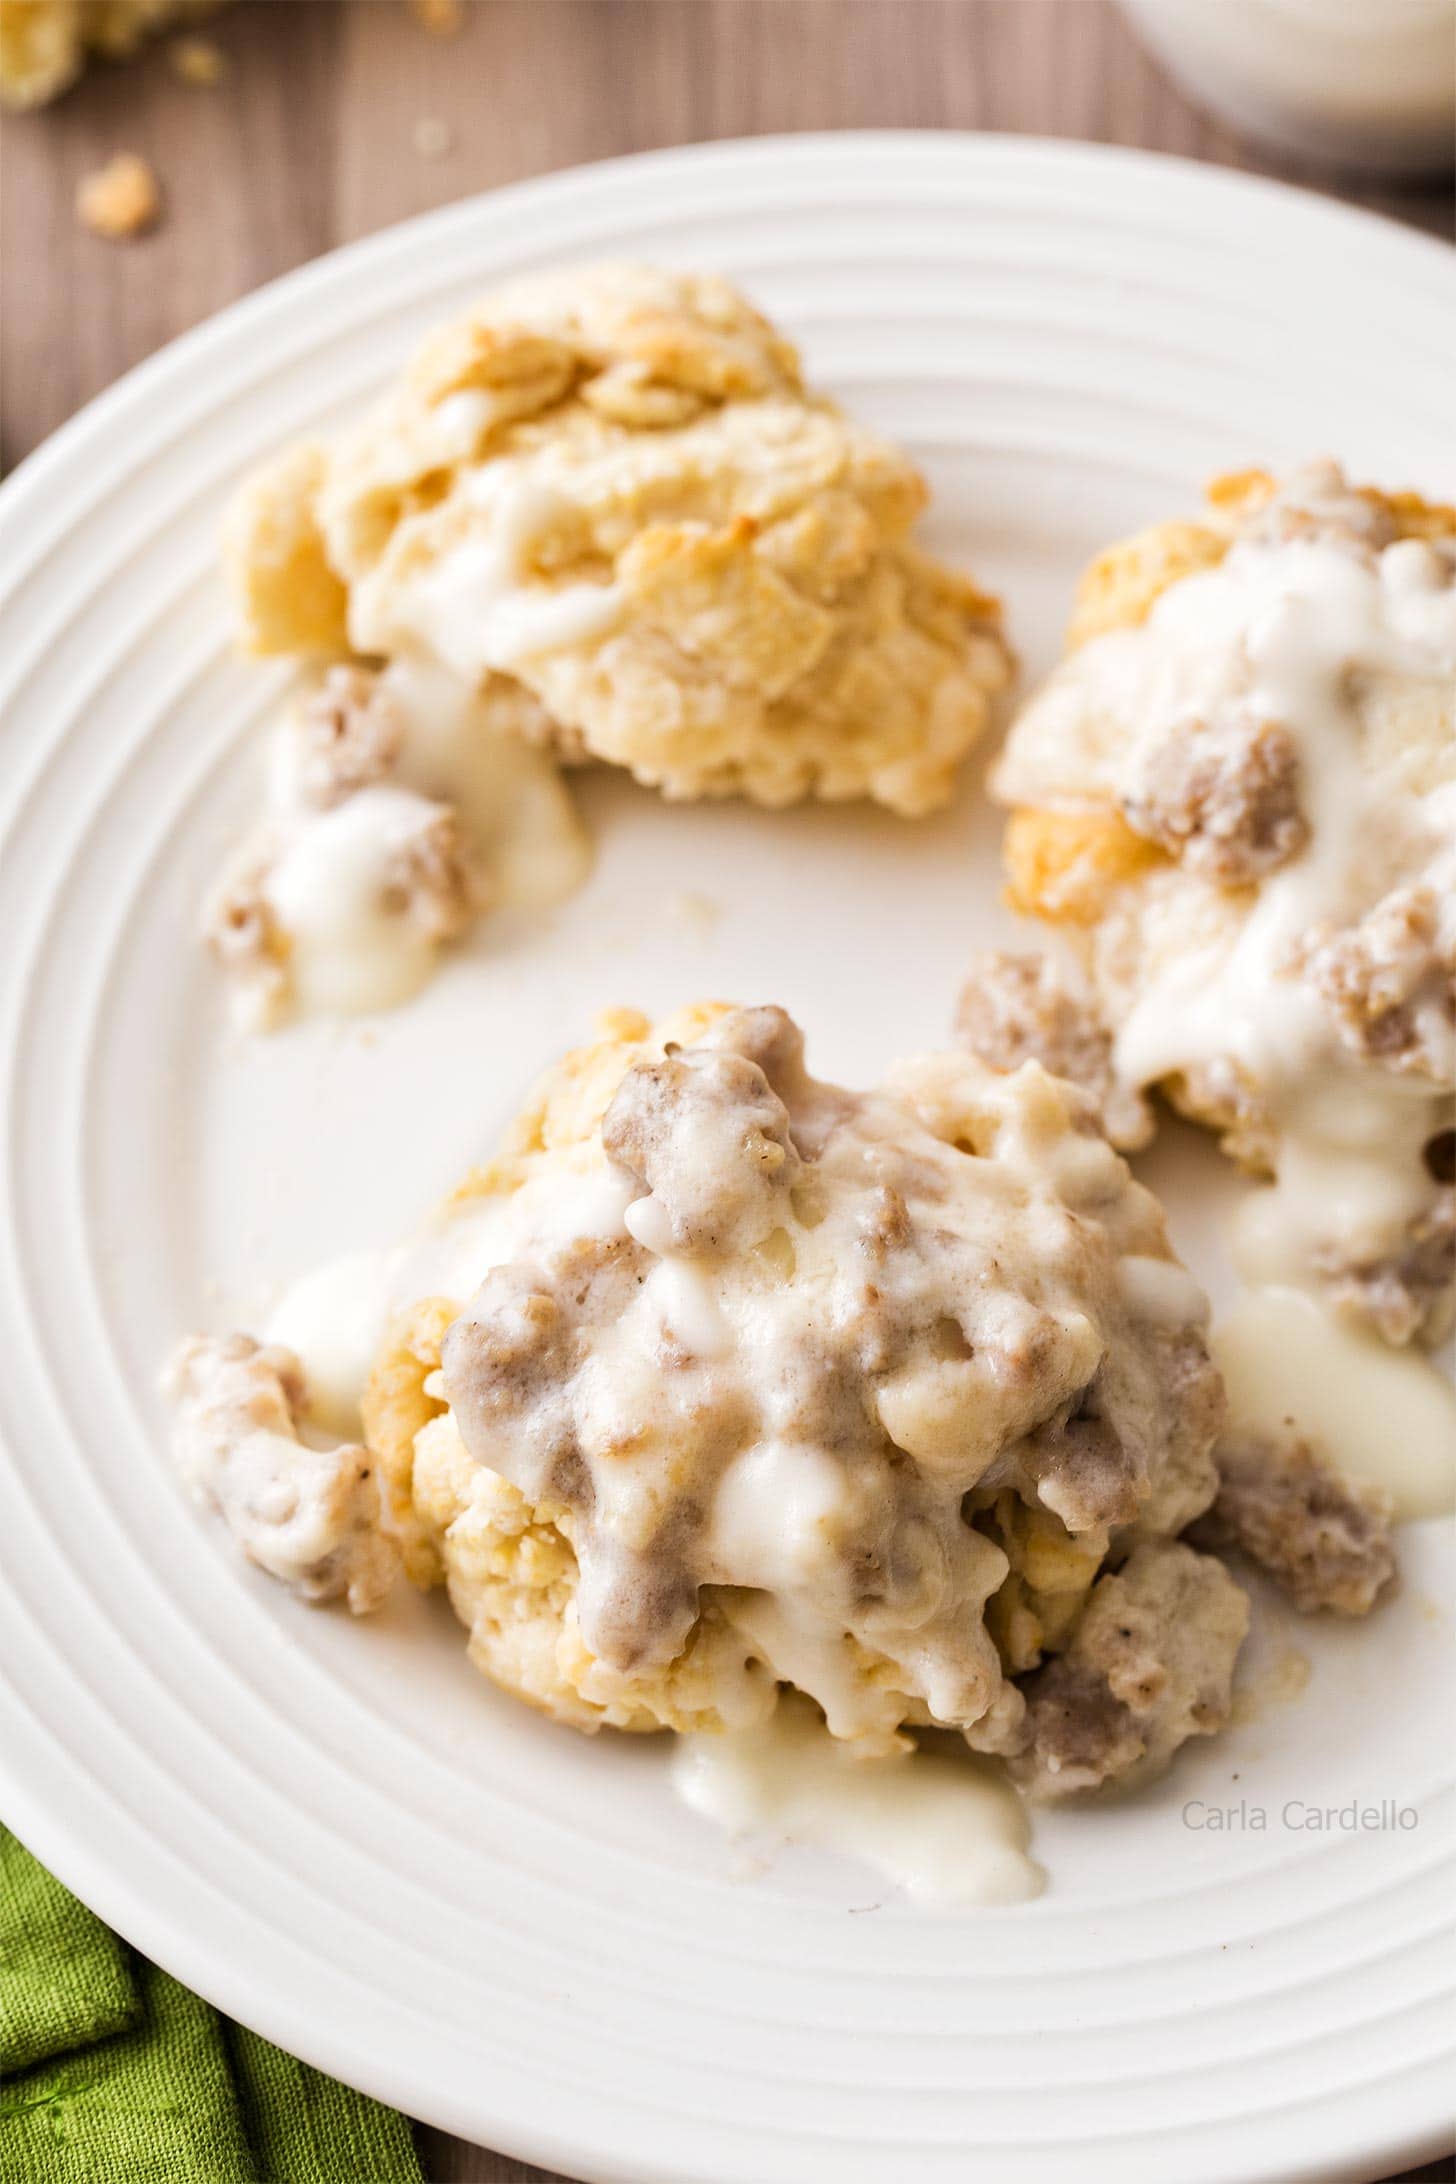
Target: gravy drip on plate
(1385, 1418)
(401, 806)
(945, 1827)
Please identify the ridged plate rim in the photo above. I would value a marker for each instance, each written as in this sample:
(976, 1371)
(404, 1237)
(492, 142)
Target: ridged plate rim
(90, 472)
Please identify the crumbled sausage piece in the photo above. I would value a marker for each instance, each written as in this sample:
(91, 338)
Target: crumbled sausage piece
(347, 734)
(429, 880)
(1114, 1454)
(705, 1135)
(119, 200)
(1080, 1734)
(1085, 1471)
(1325, 1541)
(510, 1365)
(1223, 797)
(247, 941)
(1391, 981)
(1017, 1008)
(308, 1516)
(1410, 1294)
(1150, 1664)
(770, 1037)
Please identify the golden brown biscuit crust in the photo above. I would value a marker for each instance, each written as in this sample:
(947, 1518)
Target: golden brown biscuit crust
(44, 44)
(757, 619)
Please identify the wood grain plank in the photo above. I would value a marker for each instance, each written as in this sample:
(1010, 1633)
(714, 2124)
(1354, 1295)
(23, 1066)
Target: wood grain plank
(247, 175)
(451, 2161)
(315, 138)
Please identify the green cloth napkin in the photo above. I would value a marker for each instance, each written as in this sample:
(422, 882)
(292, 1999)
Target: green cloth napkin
(111, 2073)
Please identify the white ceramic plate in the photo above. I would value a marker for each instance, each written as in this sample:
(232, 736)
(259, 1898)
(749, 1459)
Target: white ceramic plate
(336, 1831)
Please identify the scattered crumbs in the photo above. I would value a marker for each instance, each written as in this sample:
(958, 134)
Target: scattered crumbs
(198, 61)
(433, 137)
(1278, 1685)
(1289, 1677)
(696, 914)
(119, 200)
(441, 18)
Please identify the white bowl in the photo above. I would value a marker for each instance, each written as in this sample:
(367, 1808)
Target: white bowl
(1356, 83)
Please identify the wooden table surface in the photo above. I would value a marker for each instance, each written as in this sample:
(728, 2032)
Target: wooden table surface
(314, 137)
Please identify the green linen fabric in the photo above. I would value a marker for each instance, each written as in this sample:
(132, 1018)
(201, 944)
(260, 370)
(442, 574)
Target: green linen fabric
(151, 2105)
(305, 2128)
(64, 1977)
(112, 2073)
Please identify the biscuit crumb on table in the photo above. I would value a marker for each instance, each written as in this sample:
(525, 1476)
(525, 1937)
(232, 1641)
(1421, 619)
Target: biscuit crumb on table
(121, 199)
(46, 44)
(442, 18)
(198, 61)
(433, 138)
